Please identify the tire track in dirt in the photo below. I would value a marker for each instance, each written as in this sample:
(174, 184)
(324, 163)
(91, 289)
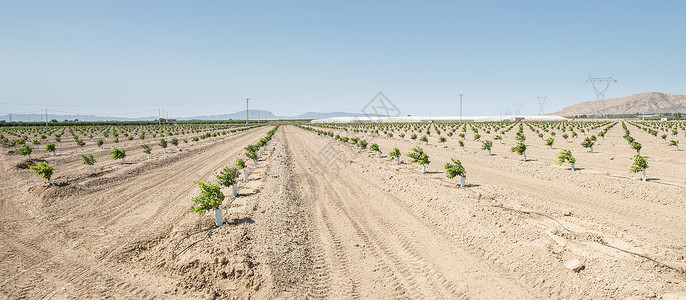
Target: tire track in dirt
(375, 220)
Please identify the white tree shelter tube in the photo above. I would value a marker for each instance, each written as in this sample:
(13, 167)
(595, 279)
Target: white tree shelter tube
(245, 175)
(462, 179)
(644, 175)
(218, 217)
(254, 164)
(235, 189)
(90, 167)
(572, 166)
(398, 159)
(53, 183)
(423, 169)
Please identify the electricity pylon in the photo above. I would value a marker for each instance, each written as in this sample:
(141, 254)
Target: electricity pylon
(600, 86)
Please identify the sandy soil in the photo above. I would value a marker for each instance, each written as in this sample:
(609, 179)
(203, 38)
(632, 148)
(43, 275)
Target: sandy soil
(319, 219)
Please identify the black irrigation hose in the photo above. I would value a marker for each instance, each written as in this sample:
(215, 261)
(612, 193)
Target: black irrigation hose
(196, 231)
(682, 271)
(646, 257)
(533, 212)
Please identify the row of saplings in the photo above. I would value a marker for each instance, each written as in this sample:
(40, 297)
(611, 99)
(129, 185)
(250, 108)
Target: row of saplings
(45, 170)
(211, 196)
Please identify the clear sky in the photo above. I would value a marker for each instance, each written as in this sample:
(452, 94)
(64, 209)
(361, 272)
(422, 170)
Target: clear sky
(130, 58)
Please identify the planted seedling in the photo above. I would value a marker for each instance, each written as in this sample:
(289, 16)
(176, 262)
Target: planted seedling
(565, 155)
(44, 170)
(461, 143)
(664, 138)
(26, 150)
(163, 144)
(454, 168)
(418, 156)
(252, 154)
(375, 147)
(520, 149)
(442, 140)
(636, 146)
(99, 142)
(227, 177)
(50, 148)
(549, 142)
(640, 165)
(240, 164)
(146, 150)
(486, 145)
(175, 142)
(211, 197)
(674, 143)
(587, 143)
(424, 139)
(88, 160)
(119, 154)
(395, 153)
(498, 138)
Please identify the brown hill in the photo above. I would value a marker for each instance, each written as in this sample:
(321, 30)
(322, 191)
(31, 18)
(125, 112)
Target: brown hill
(646, 103)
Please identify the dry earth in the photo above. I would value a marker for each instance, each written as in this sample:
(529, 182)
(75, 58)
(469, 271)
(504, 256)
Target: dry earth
(319, 219)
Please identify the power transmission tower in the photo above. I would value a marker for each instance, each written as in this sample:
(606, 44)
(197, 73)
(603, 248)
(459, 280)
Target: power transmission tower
(541, 101)
(461, 107)
(600, 86)
(518, 108)
(246, 111)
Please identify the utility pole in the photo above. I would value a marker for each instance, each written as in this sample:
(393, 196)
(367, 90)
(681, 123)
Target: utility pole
(46, 118)
(159, 117)
(246, 111)
(10, 118)
(258, 116)
(461, 107)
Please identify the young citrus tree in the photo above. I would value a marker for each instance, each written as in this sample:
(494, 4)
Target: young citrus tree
(362, 144)
(227, 177)
(477, 137)
(674, 143)
(486, 145)
(424, 139)
(520, 149)
(565, 155)
(250, 153)
(640, 165)
(461, 143)
(636, 146)
(375, 147)
(163, 144)
(418, 156)
(44, 170)
(146, 150)
(50, 148)
(565, 136)
(80, 143)
(442, 140)
(549, 142)
(395, 153)
(587, 143)
(88, 160)
(454, 168)
(99, 142)
(175, 142)
(119, 153)
(664, 138)
(498, 138)
(240, 164)
(26, 150)
(211, 197)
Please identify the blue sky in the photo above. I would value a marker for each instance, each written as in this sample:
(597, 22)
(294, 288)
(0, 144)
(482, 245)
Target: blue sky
(130, 58)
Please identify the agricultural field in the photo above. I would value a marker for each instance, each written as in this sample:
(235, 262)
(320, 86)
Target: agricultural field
(530, 210)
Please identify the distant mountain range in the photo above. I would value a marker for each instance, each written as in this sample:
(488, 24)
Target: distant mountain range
(650, 103)
(252, 114)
